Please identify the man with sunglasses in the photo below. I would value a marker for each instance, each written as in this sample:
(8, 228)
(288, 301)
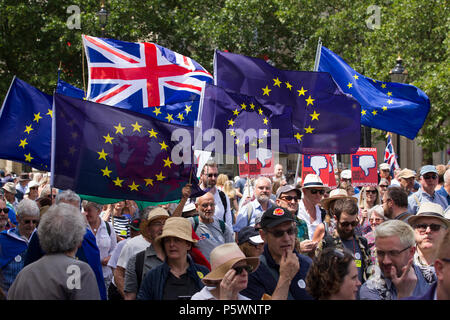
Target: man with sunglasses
(429, 227)
(282, 271)
(428, 182)
(397, 276)
(346, 215)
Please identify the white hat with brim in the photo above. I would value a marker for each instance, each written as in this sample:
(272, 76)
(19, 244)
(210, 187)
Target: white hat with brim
(313, 181)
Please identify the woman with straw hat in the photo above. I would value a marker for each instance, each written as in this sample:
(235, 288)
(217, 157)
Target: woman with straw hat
(229, 274)
(178, 277)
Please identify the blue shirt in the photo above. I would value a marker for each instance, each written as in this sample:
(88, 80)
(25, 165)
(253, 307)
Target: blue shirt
(12, 255)
(263, 281)
(444, 193)
(242, 217)
(380, 288)
(421, 196)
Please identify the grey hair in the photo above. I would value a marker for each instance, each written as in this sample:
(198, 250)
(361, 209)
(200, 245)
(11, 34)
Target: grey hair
(27, 207)
(67, 195)
(96, 205)
(378, 209)
(396, 228)
(260, 179)
(447, 176)
(61, 229)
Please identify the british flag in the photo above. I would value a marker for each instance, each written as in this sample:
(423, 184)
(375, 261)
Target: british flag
(389, 155)
(140, 75)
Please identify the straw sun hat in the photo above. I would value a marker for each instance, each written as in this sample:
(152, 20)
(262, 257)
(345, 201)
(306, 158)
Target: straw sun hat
(335, 195)
(174, 227)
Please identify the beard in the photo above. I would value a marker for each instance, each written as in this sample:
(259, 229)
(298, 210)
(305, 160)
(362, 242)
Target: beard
(262, 198)
(345, 235)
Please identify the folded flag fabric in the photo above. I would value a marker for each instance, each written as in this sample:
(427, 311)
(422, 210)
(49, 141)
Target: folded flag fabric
(145, 78)
(67, 89)
(324, 119)
(109, 152)
(390, 106)
(25, 125)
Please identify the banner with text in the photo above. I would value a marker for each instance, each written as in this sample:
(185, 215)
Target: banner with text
(321, 165)
(364, 167)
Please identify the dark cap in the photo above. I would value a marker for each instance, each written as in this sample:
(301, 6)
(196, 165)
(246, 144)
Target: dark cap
(135, 223)
(287, 188)
(275, 216)
(249, 234)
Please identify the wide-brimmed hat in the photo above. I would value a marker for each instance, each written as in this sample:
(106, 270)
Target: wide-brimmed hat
(174, 227)
(224, 257)
(156, 213)
(31, 184)
(431, 210)
(346, 174)
(24, 177)
(313, 181)
(406, 174)
(335, 195)
(384, 166)
(10, 187)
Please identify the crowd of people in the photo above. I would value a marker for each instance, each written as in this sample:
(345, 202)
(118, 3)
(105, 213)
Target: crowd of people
(265, 238)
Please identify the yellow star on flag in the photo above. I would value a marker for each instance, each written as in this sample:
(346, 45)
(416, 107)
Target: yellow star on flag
(383, 85)
(106, 171)
(133, 187)
(232, 133)
(230, 122)
(180, 116)
(188, 109)
(37, 117)
(374, 112)
(310, 101)
(384, 108)
(288, 85)
(23, 143)
(167, 162)
(244, 106)
(136, 127)
(28, 157)
(309, 129)
(148, 182)
(152, 133)
(363, 112)
(237, 141)
(28, 129)
(277, 82)
(102, 155)
(163, 145)
(169, 117)
(119, 129)
(298, 136)
(389, 93)
(235, 112)
(49, 113)
(157, 111)
(315, 115)
(260, 111)
(301, 92)
(266, 91)
(356, 77)
(265, 133)
(72, 150)
(108, 139)
(118, 182)
(349, 85)
(265, 120)
(160, 177)
(390, 101)
(252, 106)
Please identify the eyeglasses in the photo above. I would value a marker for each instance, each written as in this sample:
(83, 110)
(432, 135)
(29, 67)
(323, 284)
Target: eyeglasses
(422, 227)
(392, 253)
(315, 191)
(30, 221)
(376, 220)
(215, 175)
(345, 224)
(289, 198)
(5, 210)
(383, 185)
(242, 268)
(371, 191)
(280, 233)
(430, 176)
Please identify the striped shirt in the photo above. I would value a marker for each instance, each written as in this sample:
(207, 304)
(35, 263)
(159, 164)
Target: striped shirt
(121, 226)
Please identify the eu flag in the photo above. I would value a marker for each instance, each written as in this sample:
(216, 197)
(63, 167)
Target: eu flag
(67, 89)
(106, 151)
(389, 106)
(324, 119)
(25, 125)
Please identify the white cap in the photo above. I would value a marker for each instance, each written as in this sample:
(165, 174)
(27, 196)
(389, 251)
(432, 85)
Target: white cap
(346, 174)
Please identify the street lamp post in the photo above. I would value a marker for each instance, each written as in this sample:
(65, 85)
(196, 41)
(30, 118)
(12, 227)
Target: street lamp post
(398, 74)
(103, 17)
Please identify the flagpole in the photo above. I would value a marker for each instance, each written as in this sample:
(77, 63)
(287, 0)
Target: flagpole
(316, 68)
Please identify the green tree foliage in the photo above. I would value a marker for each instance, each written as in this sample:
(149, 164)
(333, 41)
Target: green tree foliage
(35, 39)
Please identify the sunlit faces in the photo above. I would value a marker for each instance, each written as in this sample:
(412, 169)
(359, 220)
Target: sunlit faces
(346, 225)
(209, 176)
(350, 284)
(280, 238)
(429, 232)
(27, 224)
(263, 190)
(176, 248)
(391, 253)
(289, 201)
(206, 206)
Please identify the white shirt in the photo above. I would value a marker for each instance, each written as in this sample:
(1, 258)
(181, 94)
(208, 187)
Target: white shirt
(302, 214)
(219, 209)
(133, 246)
(205, 294)
(106, 244)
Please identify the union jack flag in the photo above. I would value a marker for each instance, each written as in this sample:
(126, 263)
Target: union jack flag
(389, 155)
(140, 75)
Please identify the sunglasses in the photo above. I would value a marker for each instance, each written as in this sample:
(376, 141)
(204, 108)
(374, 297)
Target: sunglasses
(280, 233)
(215, 175)
(30, 221)
(5, 210)
(423, 227)
(430, 176)
(345, 224)
(372, 191)
(242, 268)
(383, 185)
(315, 191)
(289, 198)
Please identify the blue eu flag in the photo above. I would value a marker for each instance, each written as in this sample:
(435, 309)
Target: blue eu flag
(389, 106)
(25, 125)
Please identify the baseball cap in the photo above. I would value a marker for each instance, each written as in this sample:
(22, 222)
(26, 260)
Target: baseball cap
(287, 188)
(384, 166)
(249, 234)
(275, 216)
(135, 223)
(428, 168)
(346, 174)
(406, 174)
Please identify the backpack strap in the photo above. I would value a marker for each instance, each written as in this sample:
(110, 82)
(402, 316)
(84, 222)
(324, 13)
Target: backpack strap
(249, 212)
(223, 197)
(139, 267)
(195, 223)
(222, 226)
(108, 228)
